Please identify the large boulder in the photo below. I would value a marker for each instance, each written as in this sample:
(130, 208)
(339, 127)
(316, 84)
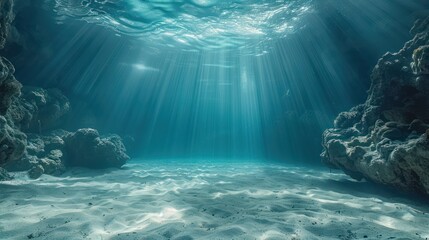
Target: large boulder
(86, 148)
(385, 140)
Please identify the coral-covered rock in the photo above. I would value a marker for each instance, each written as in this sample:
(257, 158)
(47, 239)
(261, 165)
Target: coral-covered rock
(86, 148)
(385, 140)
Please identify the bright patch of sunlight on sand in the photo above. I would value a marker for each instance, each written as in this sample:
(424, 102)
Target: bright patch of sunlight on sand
(155, 200)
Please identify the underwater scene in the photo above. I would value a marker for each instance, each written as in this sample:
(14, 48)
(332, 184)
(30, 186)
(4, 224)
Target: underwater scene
(214, 119)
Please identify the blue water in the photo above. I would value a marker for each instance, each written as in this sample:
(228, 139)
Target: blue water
(206, 78)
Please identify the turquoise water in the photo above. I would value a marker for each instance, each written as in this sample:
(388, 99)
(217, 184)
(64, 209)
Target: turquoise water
(221, 106)
(206, 78)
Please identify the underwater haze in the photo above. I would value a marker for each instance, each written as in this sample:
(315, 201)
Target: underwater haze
(211, 78)
(214, 119)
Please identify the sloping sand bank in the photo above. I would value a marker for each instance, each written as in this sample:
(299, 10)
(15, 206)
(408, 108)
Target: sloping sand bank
(176, 200)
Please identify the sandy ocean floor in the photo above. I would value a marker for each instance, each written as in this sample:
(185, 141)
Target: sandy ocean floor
(152, 200)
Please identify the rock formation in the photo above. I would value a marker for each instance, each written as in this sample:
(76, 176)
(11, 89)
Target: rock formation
(6, 18)
(44, 154)
(12, 140)
(386, 139)
(52, 152)
(85, 148)
(26, 116)
(38, 109)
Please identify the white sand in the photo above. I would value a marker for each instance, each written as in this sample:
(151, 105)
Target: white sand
(206, 201)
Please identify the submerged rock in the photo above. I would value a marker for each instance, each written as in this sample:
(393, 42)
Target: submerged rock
(43, 155)
(4, 175)
(53, 152)
(9, 86)
(38, 109)
(36, 172)
(86, 148)
(12, 142)
(27, 113)
(385, 140)
(6, 18)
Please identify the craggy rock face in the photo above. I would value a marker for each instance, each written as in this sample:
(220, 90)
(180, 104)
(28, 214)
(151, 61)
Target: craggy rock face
(6, 18)
(33, 111)
(38, 109)
(4, 175)
(386, 140)
(12, 142)
(420, 62)
(9, 86)
(44, 154)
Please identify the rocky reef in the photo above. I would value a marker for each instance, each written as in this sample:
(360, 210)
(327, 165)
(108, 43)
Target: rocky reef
(29, 118)
(386, 139)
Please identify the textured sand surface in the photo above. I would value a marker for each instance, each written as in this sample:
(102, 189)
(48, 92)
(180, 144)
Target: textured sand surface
(152, 200)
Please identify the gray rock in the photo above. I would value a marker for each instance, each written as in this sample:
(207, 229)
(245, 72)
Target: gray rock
(42, 150)
(12, 142)
(36, 172)
(420, 64)
(385, 140)
(38, 110)
(86, 148)
(4, 175)
(9, 86)
(6, 18)
(34, 111)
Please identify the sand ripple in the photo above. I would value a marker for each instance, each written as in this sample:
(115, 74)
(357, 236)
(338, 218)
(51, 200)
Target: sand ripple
(153, 200)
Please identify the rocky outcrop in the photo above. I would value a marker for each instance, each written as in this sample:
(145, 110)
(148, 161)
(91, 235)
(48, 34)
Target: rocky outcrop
(86, 148)
(386, 139)
(12, 142)
(44, 154)
(53, 152)
(6, 18)
(34, 110)
(27, 114)
(9, 86)
(4, 175)
(38, 110)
